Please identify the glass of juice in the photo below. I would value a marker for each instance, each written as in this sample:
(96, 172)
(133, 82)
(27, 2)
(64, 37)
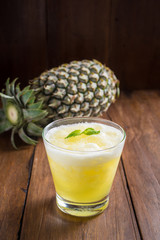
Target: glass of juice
(83, 155)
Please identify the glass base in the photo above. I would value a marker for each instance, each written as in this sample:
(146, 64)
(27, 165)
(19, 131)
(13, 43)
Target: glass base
(82, 209)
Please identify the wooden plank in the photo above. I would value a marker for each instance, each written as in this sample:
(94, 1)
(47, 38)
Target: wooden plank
(140, 119)
(78, 30)
(114, 32)
(134, 48)
(23, 43)
(14, 173)
(43, 220)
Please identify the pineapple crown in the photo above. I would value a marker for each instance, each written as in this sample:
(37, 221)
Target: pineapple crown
(21, 113)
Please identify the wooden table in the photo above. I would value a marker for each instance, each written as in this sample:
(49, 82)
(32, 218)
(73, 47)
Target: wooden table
(27, 197)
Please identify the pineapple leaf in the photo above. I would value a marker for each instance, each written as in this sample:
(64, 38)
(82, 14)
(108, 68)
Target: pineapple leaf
(18, 91)
(36, 105)
(14, 130)
(8, 92)
(15, 89)
(26, 138)
(5, 125)
(5, 99)
(12, 87)
(25, 89)
(31, 100)
(26, 96)
(21, 93)
(34, 114)
(18, 88)
(6, 96)
(34, 130)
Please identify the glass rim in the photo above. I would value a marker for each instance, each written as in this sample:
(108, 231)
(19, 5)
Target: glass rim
(84, 118)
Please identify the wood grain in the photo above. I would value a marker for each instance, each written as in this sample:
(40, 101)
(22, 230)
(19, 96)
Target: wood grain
(22, 40)
(125, 35)
(139, 115)
(133, 212)
(77, 30)
(14, 173)
(42, 219)
(134, 47)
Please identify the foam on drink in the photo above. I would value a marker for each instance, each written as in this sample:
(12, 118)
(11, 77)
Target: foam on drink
(107, 138)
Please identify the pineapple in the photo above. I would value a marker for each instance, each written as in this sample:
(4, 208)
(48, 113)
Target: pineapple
(80, 88)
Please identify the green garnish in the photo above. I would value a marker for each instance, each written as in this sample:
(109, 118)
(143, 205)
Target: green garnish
(74, 133)
(87, 131)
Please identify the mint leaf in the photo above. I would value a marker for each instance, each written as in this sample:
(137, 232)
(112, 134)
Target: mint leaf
(87, 131)
(74, 133)
(90, 131)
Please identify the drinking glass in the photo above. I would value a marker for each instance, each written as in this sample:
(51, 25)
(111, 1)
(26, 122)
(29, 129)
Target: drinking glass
(83, 179)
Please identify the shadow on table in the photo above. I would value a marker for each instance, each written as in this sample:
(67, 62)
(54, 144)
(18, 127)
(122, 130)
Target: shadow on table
(44, 219)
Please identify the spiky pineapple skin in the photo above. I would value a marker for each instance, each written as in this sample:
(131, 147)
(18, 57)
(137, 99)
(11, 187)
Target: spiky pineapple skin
(79, 88)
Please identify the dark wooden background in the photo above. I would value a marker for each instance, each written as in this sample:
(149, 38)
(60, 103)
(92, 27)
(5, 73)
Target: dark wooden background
(39, 34)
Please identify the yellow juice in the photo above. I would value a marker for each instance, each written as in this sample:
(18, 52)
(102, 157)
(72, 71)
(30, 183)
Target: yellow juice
(84, 183)
(83, 167)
